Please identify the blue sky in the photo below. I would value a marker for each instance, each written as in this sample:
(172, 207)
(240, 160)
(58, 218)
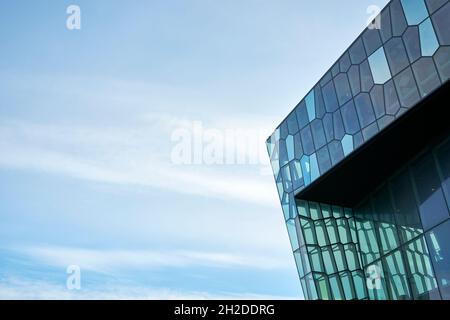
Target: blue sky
(86, 124)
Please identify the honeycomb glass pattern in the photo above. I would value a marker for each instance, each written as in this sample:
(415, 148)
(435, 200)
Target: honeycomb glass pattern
(382, 75)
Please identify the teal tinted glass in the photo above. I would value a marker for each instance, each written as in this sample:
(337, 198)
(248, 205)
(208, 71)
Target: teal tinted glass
(376, 284)
(351, 257)
(316, 259)
(347, 286)
(343, 230)
(302, 208)
(323, 287)
(321, 232)
(331, 230)
(415, 11)
(367, 241)
(308, 231)
(423, 282)
(360, 284)
(338, 252)
(328, 260)
(388, 237)
(315, 212)
(396, 276)
(379, 66)
(335, 284)
(292, 231)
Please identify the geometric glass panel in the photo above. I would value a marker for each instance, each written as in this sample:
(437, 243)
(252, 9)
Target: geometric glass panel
(379, 66)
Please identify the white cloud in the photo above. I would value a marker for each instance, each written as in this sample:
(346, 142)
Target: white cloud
(110, 261)
(26, 289)
(138, 155)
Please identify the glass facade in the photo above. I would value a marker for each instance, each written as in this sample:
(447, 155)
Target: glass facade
(395, 243)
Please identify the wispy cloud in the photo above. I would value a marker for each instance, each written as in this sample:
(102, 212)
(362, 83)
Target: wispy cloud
(110, 261)
(27, 289)
(137, 155)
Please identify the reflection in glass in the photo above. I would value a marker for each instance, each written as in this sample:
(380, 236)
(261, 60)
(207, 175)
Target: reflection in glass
(415, 11)
(428, 40)
(379, 66)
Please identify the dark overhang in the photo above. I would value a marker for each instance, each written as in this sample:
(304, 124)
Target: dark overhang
(353, 178)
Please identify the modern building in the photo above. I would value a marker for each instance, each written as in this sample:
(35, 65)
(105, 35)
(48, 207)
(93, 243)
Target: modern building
(362, 163)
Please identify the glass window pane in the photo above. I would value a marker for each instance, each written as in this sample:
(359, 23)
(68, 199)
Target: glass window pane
(357, 52)
(428, 41)
(372, 40)
(360, 284)
(440, 22)
(314, 209)
(432, 206)
(331, 230)
(297, 175)
(342, 88)
(443, 158)
(315, 173)
(302, 208)
(326, 210)
(367, 241)
(347, 286)
(353, 76)
(344, 230)
(351, 257)
(318, 133)
(339, 130)
(377, 96)
(347, 144)
(329, 97)
(323, 287)
(376, 282)
(328, 260)
(398, 20)
(406, 88)
(307, 141)
(290, 147)
(302, 115)
(328, 126)
(292, 231)
(364, 109)
(366, 76)
(336, 151)
(396, 278)
(379, 66)
(415, 11)
(308, 231)
(426, 76)
(311, 106)
(442, 59)
(391, 99)
(406, 212)
(422, 279)
(350, 118)
(439, 243)
(338, 252)
(412, 43)
(292, 123)
(396, 55)
(323, 158)
(316, 259)
(336, 289)
(322, 238)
